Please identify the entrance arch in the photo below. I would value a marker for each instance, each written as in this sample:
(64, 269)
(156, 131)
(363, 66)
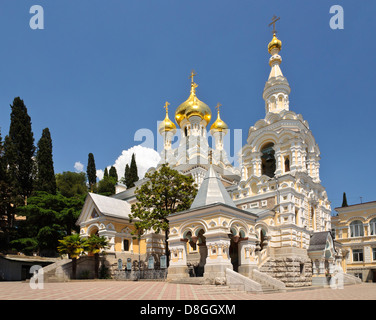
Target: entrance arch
(234, 249)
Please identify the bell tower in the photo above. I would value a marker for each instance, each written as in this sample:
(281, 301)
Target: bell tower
(277, 89)
(280, 162)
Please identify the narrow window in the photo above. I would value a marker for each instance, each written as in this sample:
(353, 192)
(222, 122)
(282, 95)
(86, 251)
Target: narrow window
(126, 245)
(287, 164)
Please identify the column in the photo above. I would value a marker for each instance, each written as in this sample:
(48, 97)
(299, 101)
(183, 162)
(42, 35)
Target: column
(178, 268)
(247, 257)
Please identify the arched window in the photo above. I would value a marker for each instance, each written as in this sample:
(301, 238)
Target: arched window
(356, 229)
(186, 131)
(268, 160)
(372, 226)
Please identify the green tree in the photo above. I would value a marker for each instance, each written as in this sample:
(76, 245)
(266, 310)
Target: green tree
(127, 178)
(133, 169)
(94, 244)
(131, 174)
(344, 200)
(91, 172)
(73, 246)
(166, 191)
(48, 218)
(105, 175)
(20, 149)
(106, 186)
(71, 184)
(46, 180)
(113, 173)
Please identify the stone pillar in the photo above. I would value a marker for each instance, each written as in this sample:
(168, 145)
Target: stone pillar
(178, 268)
(247, 257)
(218, 259)
(278, 161)
(322, 267)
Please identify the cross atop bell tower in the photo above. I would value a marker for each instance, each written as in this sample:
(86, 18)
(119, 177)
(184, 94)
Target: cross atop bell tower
(274, 20)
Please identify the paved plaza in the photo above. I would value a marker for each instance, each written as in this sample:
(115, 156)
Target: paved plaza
(148, 290)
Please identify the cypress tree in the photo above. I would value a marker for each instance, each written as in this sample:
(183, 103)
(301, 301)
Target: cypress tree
(133, 169)
(20, 149)
(113, 173)
(344, 201)
(127, 177)
(91, 172)
(3, 190)
(105, 175)
(46, 180)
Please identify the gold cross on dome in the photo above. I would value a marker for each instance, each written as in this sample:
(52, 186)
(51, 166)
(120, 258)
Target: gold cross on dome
(166, 106)
(274, 20)
(217, 106)
(193, 73)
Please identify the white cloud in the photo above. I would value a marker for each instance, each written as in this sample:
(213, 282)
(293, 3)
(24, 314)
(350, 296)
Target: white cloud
(79, 166)
(145, 159)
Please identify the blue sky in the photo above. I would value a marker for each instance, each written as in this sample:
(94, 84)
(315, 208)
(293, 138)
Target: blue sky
(101, 70)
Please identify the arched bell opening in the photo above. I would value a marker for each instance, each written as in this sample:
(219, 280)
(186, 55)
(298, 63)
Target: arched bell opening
(268, 162)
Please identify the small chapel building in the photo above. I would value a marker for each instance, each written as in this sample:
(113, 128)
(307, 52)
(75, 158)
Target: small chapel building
(270, 219)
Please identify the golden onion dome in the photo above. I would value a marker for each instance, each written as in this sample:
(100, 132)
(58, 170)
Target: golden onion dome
(219, 125)
(275, 43)
(167, 124)
(193, 107)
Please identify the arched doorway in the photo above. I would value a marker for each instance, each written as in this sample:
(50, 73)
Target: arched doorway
(234, 249)
(196, 252)
(263, 239)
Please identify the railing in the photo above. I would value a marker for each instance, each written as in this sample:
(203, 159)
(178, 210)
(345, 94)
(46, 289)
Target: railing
(262, 256)
(268, 280)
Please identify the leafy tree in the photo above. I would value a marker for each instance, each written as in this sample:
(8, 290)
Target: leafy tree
(94, 244)
(166, 191)
(91, 172)
(72, 245)
(71, 184)
(46, 180)
(48, 218)
(113, 173)
(106, 186)
(344, 200)
(20, 149)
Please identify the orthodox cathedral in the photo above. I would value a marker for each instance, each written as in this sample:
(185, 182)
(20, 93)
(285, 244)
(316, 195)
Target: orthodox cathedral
(266, 223)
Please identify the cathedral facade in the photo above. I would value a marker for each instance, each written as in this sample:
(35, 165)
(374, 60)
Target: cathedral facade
(268, 220)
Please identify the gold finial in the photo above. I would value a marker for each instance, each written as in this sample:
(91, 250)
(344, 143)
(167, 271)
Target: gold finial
(166, 106)
(274, 20)
(193, 73)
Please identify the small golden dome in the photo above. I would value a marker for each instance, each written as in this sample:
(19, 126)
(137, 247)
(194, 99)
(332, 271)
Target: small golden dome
(166, 124)
(275, 43)
(193, 107)
(219, 125)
